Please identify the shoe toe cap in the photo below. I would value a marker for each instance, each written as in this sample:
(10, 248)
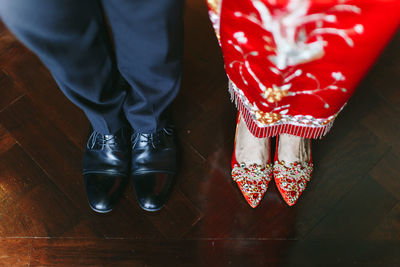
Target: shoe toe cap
(152, 189)
(103, 190)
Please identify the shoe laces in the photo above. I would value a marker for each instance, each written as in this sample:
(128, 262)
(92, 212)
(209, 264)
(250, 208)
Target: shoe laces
(152, 138)
(99, 139)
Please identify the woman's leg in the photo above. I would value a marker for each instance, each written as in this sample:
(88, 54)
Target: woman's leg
(292, 166)
(251, 164)
(293, 148)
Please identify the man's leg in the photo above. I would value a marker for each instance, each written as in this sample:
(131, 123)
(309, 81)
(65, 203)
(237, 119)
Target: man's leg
(148, 37)
(70, 37)
(148, 41)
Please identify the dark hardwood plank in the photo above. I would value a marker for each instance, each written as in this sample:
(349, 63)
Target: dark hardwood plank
(383, 77)
(156, 253)
(384, 121)
(356, 214)
(389, 227)
(212, 190)
(48, 146)
(16, 181)
(15, 252)
(206, 132)
(387, 173)
(203, 102)
(177, 217)
(127, 220)
(84, 228)
(8, 45)
(27, 71)
(31, 204)
(339, 252)
(6, 140)
(66, 252)
(10, 91)
(203, 177)
(337, 171)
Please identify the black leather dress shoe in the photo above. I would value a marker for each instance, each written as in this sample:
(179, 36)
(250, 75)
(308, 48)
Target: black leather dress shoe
(106, 164)
(154, 165)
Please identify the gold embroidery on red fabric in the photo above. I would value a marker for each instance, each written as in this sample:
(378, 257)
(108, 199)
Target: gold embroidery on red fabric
(274, 94)
(277, 115)
(286, 35)
(267, 117)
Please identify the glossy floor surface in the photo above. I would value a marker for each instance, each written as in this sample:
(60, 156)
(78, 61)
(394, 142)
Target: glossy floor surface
(348, 216)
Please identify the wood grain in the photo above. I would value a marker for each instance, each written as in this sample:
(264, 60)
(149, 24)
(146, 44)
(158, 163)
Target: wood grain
(349, 214)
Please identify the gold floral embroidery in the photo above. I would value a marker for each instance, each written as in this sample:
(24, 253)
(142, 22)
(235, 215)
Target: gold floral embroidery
(274, 94)
(267, 117)
(331, 119)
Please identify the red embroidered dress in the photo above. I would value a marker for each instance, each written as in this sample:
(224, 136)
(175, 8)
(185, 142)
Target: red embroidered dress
(293, 64)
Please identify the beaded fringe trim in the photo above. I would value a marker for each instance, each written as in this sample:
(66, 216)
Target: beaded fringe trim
(279, 127)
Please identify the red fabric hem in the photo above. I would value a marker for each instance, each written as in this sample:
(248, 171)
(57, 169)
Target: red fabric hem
(303, 131)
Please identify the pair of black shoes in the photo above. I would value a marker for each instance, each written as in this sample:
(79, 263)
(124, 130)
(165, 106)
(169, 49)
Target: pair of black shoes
(109, 160)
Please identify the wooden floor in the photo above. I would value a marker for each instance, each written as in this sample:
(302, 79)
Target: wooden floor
(348, 216)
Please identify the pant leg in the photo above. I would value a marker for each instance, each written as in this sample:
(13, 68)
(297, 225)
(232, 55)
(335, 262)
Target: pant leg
(148, 37)
(70, 37)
